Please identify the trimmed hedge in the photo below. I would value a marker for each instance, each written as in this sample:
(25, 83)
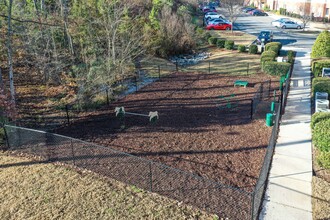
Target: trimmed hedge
(274, 49)
(272, 44)
(323, 159)
(221, 43)
(291, 56)
(267, 56)
(321, 135)
(315, 60)
(318, 66)
(229, 44)
(321, 47)
(276, 68)
(241, 48)
(212, 40)
(319, 116)
(253, 49)
(321, 87)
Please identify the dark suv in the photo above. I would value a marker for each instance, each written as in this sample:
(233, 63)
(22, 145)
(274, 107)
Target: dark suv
(265, 37)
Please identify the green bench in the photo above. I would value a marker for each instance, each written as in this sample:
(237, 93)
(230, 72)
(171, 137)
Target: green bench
(241, 83)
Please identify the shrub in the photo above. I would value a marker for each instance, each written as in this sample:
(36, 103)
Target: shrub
(321, 47)
(274, 49)
(291, 55)
(221, 43)
(271, 44)
(276, 68)
(319, 116)
(207, 35)
(321, 87)
(321, 135)
(212, 40)
(253, 49)
(241, 48)
(229, 44)
(267, 56)
(318, 66)
(323, 159)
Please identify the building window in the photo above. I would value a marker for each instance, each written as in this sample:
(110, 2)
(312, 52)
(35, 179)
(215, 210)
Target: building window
(327, 11)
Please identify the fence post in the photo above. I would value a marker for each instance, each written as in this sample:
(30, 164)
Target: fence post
(72, 151)
(150, 175)
(247, 69)
(6, 137)
(67, 114)
(176, 66)
(209, 67)
(136, 84)
(158, 71)
(251, 116)
(107, 91)
(270, 86)
(252, 204)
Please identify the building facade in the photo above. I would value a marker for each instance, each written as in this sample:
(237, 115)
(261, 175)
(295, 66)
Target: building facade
(314, 8)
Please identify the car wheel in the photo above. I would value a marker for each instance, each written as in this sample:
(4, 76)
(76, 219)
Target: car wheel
(212, 28)
(228, 28)
(283, 27)
(298, 27)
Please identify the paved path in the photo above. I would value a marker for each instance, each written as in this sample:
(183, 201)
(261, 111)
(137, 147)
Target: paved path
(288, 194)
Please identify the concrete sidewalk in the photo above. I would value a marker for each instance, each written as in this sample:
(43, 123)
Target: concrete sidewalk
(288, 194)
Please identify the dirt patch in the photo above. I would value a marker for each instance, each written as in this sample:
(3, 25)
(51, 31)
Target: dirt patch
(321, 199)
(204, 127)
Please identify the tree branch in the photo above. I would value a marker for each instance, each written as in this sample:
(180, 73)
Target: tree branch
(30, 21)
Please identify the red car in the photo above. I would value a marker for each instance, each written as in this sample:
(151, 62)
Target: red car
(219, 26)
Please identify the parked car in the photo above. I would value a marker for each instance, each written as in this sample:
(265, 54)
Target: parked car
(265, 36)
(210, 15)
(251, 11)
(277, 23)
(246, 10)
(259, 13)
(219, 26)
(290, 24)
(217, 20)
(206, 9)
(255, 11)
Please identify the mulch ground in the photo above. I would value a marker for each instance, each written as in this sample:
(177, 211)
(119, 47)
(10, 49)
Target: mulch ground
(204, 126)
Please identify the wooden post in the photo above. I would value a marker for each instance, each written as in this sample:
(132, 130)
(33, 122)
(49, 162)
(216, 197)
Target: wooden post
(158, 71)
(251, 116)
(67, 114)
(107, 91)
(176, 66)
(209, 66)
(247, 69)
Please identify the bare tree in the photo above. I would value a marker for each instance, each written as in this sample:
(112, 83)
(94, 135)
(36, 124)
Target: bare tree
(233, 9)
(305, 16)
(10, 51)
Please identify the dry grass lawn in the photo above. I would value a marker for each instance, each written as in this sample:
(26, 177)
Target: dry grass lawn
(221, 61)
(46, 191)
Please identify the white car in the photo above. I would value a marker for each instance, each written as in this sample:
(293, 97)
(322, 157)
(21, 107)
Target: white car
(217, 20)
(210, 15)
(290, 24)
(277, 23)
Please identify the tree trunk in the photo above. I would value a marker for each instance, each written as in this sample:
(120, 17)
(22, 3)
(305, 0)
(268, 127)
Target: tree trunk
(10, 53)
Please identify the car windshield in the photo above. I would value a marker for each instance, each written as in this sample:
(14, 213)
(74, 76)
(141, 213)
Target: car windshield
(264, 34)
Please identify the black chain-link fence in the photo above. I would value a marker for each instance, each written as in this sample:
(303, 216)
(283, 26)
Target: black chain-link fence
(259, 191)
(261, 94)
(214, 197)
(225, 201)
